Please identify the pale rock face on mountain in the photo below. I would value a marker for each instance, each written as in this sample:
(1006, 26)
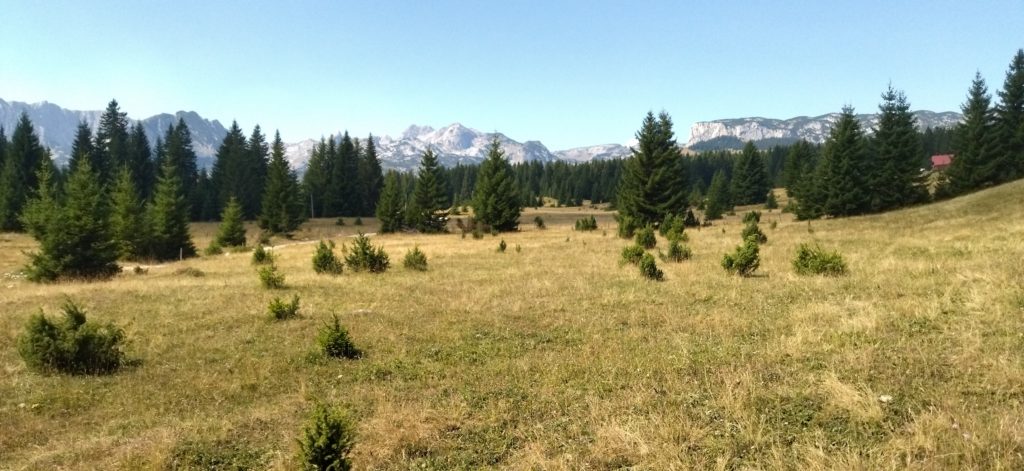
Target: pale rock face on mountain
(601, 152)
(813, 129)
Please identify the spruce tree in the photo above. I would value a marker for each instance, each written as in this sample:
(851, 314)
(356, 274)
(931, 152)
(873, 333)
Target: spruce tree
(317, 178)
(653, 181)
(128, 217)
(77, 243)
(1008, 160)
(496, 200)
(844, 179)
(895, 174)
(282, 209)
(344, 187)
(749, 180)
(19, 177)
(206, 199)
(430, 200)
(254, 175)
(178, 153)
(798, 168)
(168, 215)
(40, 210)
(231, 165)
(111, 143)
(82, 148)
(391, 207)
(718, 199)
(974, 146)
(371, 176)
(231, 232)
(140, 162)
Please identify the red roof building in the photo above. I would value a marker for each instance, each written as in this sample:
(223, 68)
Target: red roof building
(941, 161)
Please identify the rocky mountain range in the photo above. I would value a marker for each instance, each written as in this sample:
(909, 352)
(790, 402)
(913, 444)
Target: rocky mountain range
(455, 144)
(733, 133)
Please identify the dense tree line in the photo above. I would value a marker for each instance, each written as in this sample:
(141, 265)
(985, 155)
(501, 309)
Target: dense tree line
(343, 178)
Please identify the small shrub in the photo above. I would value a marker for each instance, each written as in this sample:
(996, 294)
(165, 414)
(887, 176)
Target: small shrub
(72, 346)
(645, 237)
(213, 249)
(752, 217)
(817, 261)
(539, 222)
(415, 259)
(771, 203)
(632, 254)
(326, 441)
(586, 224)
(690, 220)
(502, 246)
(280, 310)
(358, 221)
(190, 271)
(138, 270)
(627, 226)
(365, 257)
(745, 260)
(649, 269)
(324, 260)
(261, 256)
(671, 224)
(270, 278)
(751, 231)
(677, 251)
(339, 222)
(335, 342)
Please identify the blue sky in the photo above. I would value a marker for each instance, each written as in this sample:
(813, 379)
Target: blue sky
(567, 73)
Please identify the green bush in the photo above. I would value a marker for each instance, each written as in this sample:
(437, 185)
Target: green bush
(326, 441)
(71, 346)
(270, 278)
(645, 237)
(649, 269)
(280, 310)
(213, 249)
(335, 342)
(632, 254)
(502, 246)
(690, 220)
(261, 256)
(817, 261)
(771, 202)
(324, 260)
(752, 231)
(677, 251)
(745, 260)
(627, 226)
(539, 222)
(586, 224)
(752, 217)
(672, 224)
(415, 259)
(365, 257)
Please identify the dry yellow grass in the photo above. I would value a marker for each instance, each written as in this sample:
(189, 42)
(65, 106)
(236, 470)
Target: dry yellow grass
(556, 357)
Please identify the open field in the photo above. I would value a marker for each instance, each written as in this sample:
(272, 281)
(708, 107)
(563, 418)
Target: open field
(557, 357)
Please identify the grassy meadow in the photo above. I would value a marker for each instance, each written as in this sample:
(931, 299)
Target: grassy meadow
(554, 356)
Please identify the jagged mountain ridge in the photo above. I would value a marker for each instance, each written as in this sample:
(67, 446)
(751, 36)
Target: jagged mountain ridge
(454, 144)
(729, 133)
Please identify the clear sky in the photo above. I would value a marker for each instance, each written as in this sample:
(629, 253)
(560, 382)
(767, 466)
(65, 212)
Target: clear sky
(567, 73)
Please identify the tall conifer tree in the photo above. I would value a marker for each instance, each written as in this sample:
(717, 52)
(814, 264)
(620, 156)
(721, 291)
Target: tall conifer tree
(496, 200)
(371, 176)
(391, 207)
(974, 146)
(169, 215)
(230, 169)
(895, 173)
(111, 143)
(1008, 162)
(846, 159)
(429, 212)
(653, 184)
(749, 180)
(317, 179)
(718, 198)
(128, 217)
(178, 153)
(19, 177)
(82, 148)
(140, 161)
(282, 208)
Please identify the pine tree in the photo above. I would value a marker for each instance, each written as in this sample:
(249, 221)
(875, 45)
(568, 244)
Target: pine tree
(111, 143)
(391, 207)
(82, 148)
(344, 174)
(229, 168)
(1008, 161)
(428, 211)
(77, 243)
(19, 176)
(206, 199)
(40, 210)
(317, 179)
(844, 178)
(718, 199)
(231, 232)
(282, 208)
(496, 200)
(372, 177)
(653, 183)
(140, 162)
(798, 168)
(168, 215)
(178, 153)
(895, 174)
(254, 175)
(749, 181)
(974, 146)
(128, 217)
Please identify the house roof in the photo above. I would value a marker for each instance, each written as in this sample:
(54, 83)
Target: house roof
(942, 160)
